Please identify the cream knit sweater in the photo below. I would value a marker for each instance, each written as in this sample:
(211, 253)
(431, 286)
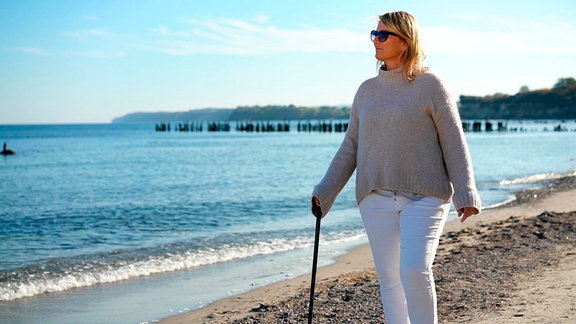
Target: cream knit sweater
(403, 136)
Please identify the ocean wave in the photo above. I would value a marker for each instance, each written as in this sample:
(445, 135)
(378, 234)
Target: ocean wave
(510, 199)
(535, 178)
(53, 279)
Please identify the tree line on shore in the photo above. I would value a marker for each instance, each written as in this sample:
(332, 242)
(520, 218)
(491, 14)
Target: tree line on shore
(243, 113)
(558, 102)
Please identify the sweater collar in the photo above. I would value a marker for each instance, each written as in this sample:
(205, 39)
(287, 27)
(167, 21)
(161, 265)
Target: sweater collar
(396, 75)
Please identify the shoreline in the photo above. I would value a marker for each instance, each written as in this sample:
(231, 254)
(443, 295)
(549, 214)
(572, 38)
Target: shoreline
(356, 265)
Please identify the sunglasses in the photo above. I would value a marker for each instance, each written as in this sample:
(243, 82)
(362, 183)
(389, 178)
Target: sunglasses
(382, 35)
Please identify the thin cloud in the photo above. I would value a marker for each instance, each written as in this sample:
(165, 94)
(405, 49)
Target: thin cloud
(77, 46)
(91, 17)
(240, 37)
(33, 51)
(86, 53)
(165, 31)
(496, 35)
(96, 54)
(262, 19)
(87, 33)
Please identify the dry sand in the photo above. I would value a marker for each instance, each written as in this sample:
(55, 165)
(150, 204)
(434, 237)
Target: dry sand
(538, 294)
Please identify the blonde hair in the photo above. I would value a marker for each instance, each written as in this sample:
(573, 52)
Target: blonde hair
(405, 25)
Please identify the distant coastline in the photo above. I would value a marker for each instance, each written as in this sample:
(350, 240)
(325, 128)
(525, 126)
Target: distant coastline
(559, 102)
(252, 113)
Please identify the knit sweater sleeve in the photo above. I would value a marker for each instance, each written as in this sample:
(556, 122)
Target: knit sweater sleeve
(342, 166)
(454, 148)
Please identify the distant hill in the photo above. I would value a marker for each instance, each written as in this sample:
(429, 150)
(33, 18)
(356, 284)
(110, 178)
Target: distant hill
(207, 114)
(556, 103)
(265, 113)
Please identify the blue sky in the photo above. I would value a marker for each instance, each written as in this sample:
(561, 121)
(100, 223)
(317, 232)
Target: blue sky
(84, 61)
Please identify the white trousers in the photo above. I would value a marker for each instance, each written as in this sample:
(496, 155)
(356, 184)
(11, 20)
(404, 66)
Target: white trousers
(404, 231)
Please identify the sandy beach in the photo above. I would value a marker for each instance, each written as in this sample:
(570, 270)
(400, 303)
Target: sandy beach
(512, 264)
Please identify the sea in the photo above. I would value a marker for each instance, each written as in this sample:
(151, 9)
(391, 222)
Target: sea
(120, 223)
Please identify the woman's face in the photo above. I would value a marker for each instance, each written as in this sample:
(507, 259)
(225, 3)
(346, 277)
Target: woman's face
(391, 50)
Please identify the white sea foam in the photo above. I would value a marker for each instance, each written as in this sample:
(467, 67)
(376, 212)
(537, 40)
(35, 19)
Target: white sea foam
(502, 203)
(534, 178)
(37, 284)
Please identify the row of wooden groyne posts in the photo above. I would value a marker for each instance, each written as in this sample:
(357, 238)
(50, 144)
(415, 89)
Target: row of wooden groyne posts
(255, 126)
(318, 126)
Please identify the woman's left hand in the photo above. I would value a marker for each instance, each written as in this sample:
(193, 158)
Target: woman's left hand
(466, 212)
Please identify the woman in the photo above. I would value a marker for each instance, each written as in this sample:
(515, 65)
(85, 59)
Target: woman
(406, 142)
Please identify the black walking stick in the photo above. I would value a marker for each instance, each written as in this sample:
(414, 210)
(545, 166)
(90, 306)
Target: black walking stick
(318, 215)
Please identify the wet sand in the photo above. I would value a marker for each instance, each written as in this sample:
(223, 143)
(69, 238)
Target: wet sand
(511, 264)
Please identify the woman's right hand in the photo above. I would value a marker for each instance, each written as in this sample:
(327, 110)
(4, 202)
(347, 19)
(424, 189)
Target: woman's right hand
(316, 210)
